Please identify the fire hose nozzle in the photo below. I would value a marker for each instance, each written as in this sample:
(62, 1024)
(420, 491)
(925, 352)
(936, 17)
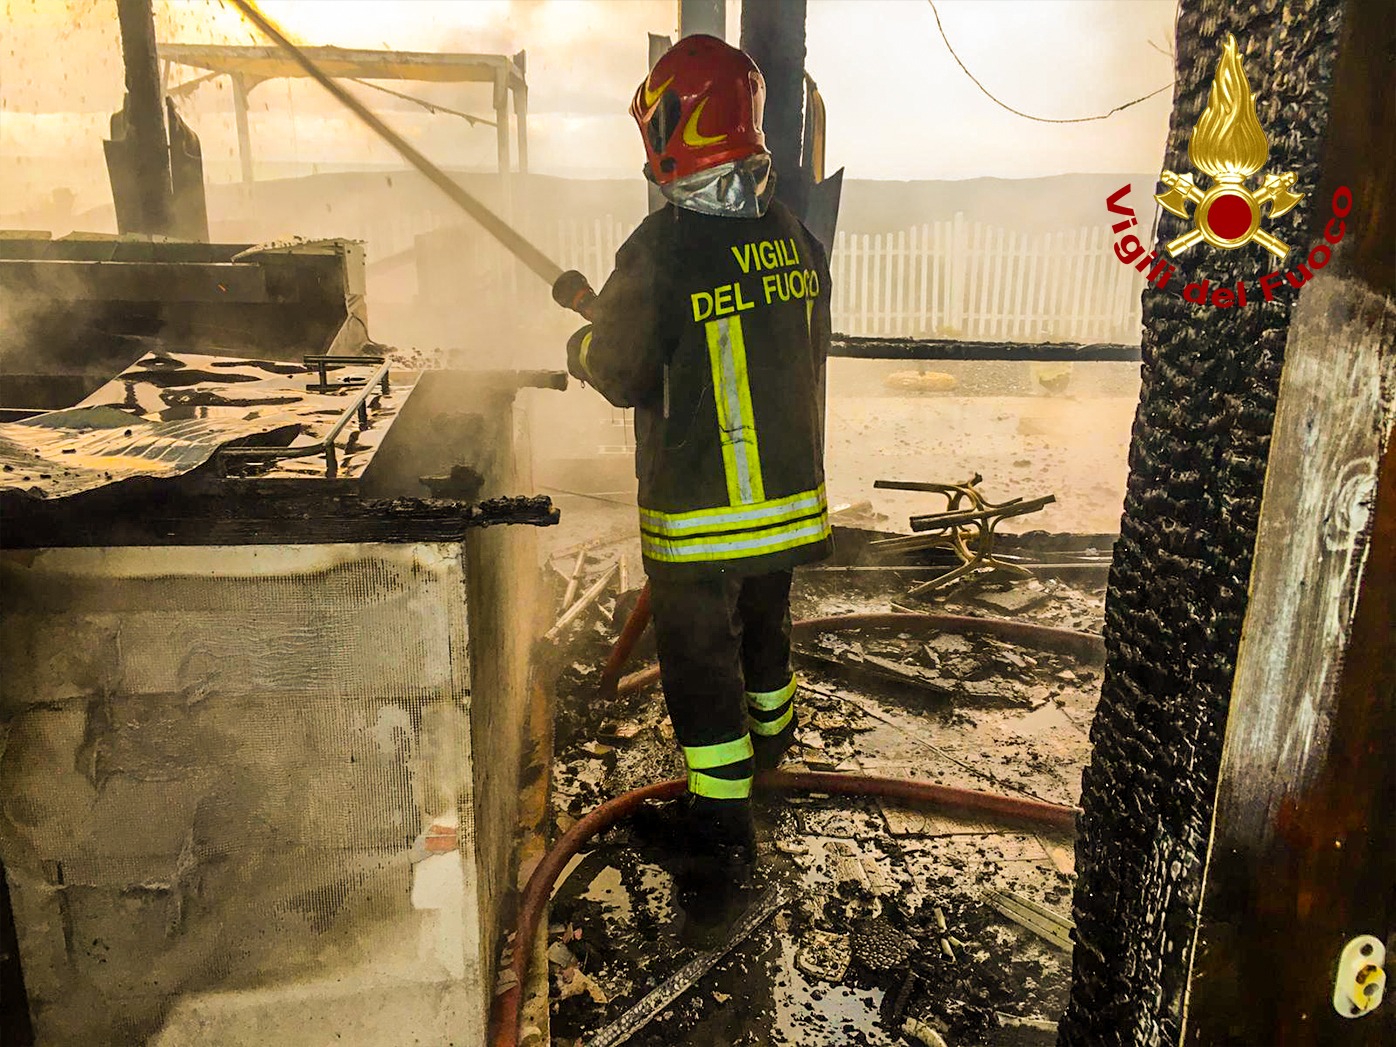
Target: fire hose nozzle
(572, 291)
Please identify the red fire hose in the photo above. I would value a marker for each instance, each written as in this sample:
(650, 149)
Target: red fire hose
(967, 801)
(540, 884)
(1025, 634)
(630, 634)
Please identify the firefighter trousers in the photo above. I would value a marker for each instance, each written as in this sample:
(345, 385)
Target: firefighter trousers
(724, 660)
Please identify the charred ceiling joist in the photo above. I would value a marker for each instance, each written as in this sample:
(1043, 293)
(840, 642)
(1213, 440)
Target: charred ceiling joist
(1228, 932)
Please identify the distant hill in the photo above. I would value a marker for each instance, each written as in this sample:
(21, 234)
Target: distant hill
(1024, 204)
(349, 203)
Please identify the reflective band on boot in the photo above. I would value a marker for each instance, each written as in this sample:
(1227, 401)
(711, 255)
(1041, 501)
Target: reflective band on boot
(700, 784)
(767, 728)
(702, 758)
(768, 702)
(706, 757)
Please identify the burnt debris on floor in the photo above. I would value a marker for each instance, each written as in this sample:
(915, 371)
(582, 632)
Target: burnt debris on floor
(890, 933)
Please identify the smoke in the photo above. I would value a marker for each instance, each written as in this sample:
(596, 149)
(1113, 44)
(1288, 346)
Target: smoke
(63, 76)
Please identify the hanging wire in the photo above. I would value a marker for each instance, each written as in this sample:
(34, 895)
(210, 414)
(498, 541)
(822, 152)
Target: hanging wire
(1029, 116)
(430, 107)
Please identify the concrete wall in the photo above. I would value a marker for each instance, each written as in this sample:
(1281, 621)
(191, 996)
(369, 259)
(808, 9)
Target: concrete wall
(216, 769)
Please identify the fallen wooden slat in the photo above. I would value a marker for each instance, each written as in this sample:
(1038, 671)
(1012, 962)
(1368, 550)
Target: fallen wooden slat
(586, 600)
(574, 578)
(635, 1019)
(1050, 926)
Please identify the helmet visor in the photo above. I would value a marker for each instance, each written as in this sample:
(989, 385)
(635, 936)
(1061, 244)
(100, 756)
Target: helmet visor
(664, 121)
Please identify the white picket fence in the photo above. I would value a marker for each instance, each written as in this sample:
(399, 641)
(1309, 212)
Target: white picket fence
(949, 279)
(958, 279)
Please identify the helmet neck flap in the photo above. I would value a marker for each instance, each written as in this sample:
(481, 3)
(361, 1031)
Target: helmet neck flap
(736, 189)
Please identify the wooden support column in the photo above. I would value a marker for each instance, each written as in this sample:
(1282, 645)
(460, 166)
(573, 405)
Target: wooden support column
(501, 135)
(145, 117)
(773, 33)
(521, 109)
(240, 89)
(1236, 811)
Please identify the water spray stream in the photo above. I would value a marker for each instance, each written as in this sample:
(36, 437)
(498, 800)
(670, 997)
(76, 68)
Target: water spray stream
(515, 243)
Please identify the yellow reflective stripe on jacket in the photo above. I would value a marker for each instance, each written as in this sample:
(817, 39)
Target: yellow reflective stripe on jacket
(741, 459)
(736, 546)
(768, 728)
(734, 517)
(582, 351)
(706, 757)
(700, 784)
(768, 701)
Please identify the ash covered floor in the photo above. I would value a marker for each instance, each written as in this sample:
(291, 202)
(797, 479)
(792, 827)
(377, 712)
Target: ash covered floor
(857, 950)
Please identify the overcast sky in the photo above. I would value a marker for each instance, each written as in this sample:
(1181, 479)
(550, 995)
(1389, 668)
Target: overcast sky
(899, 107)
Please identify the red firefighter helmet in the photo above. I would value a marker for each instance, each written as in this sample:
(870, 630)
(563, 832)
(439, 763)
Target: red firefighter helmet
(700, 107)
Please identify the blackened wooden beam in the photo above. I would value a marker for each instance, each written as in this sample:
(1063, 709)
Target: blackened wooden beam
(201, 510)
(703, 16)
(188, 201)
(873, 348)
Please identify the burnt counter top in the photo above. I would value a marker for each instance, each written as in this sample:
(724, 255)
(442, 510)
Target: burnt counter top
(196, 449)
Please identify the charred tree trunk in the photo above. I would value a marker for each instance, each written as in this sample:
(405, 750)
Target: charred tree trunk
(1179, 584)
(773, 33)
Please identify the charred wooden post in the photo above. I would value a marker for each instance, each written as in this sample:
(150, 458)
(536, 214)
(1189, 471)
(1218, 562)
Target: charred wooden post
(501, 135)
(1183, 564)
(520, 60)
(1303, 850)
(773, 33)
(188, 202)
(146, 151)
(15, 1025)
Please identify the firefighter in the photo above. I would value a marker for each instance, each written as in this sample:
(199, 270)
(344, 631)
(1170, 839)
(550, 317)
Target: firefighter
(714, 327)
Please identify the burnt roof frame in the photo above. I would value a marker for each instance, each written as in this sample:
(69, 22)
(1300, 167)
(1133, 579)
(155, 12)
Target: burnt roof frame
(249, 65)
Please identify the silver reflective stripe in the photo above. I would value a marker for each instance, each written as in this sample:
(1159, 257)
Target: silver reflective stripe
(741, 460)
(725, 548)
(677, 524)
(731, 398)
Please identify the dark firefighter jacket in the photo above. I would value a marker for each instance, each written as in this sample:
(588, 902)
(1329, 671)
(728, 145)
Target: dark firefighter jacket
(716, 331)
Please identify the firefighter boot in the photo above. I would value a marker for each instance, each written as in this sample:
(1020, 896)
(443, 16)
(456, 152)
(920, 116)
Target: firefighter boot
(710, 884)
(719, 832)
